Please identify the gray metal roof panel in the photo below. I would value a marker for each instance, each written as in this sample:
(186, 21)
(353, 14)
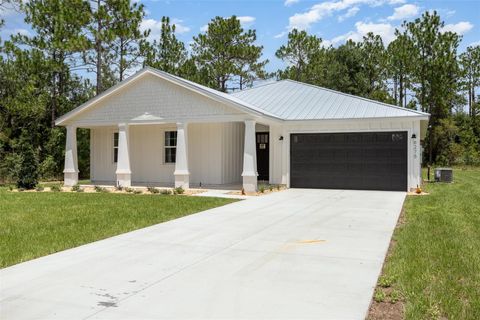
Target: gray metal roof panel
(292, 100)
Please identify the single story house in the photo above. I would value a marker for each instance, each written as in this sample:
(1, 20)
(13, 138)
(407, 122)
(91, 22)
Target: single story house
(158, 129)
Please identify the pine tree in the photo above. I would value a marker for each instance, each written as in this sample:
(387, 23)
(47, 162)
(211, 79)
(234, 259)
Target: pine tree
(129, 39)
(221, 49)
(168, 53)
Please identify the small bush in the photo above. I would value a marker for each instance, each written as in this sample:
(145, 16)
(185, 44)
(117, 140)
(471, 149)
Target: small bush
(385, 281)
(137, 192)
(270, 187)
(119, 188)
(21, 189)
(379, 296)
(128, 190)
(39, 189)
(10, 187)
(76, 188)
(100, 189)
(261, 188)
(278, 187)
(28, 170)
(55, 188)
(178, 190)
(153, 190)
(165, 192)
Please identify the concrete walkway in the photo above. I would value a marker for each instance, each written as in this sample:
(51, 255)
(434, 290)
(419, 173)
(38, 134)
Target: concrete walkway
(295, 254)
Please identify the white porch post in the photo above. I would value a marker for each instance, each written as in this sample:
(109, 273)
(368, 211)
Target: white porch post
(249, 173)
(123, 160)
(71, 164)
(181, 159)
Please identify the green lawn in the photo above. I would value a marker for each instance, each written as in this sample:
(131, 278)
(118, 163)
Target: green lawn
(37, 224)
(435, 261)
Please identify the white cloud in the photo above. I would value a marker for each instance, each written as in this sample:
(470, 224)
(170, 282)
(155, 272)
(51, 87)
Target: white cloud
(350, 13)
(385, 30)
(280, 35)
(155, 27)
(393, 2)
(324, 9)
(460, 28)
(204, 28)
(246, 21)
(288, 3)
(405, 11)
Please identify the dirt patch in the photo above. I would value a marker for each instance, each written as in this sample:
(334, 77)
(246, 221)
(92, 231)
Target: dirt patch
(386, 311)
(387, 304)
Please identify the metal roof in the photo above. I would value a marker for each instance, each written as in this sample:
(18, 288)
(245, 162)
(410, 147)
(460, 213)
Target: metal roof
(292, 100)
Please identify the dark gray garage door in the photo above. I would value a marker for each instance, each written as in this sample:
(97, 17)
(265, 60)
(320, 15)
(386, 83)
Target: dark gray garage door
(365, 161)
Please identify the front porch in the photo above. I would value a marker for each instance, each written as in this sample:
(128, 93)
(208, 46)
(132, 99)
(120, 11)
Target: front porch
(220, 155)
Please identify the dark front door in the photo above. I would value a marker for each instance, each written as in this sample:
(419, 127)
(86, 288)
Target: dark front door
(262, 155)
(367, 160)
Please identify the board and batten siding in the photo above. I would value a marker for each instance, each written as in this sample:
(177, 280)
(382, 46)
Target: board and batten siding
(215, 154)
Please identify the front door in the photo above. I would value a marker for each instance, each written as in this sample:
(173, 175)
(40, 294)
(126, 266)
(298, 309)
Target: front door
(262, 155)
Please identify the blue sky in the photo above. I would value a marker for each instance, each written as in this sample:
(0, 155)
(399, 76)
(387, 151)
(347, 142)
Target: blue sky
(334, 20)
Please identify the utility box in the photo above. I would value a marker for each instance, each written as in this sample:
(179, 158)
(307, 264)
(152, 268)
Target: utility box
(444, 175)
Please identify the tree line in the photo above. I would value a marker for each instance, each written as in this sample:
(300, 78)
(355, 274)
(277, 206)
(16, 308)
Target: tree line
(79, 48)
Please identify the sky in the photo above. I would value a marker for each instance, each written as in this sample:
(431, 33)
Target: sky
(334, 21)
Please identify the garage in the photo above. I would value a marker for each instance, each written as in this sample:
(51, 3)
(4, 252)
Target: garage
(354, 160)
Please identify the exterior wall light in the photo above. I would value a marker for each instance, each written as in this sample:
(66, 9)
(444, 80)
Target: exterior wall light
(281, 138)
(414, 136)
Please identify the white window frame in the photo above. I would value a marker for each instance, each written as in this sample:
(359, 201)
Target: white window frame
(169, 147)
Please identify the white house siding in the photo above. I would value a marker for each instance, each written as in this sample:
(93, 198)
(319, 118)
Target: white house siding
(152, 98)
(232, 155)
(147, 161)
(215, 152)
(102, 167)
(281, 169)
(205, 153)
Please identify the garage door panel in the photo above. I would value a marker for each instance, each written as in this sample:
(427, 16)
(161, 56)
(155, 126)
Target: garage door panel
(371, 161)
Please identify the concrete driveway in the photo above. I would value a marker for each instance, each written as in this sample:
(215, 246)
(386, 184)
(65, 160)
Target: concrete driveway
(298, 254)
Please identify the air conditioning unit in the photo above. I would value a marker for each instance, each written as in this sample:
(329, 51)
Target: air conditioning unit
(444, 175)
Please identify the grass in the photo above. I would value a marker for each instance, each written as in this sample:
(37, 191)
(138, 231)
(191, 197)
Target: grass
(36, 224)
(435, 258)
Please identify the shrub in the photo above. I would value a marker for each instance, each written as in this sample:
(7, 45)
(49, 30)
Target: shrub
(129, 190)
(76, 188)
(39, 188)
(119, 188)
(28, 171)
(178, 190)
(261, 188)
(270, 187)
(100, 189)
(48, 168)
(137, 192)
(385, 281)
(165, 192)
(153, 190)
(379, 296)
(56, 188)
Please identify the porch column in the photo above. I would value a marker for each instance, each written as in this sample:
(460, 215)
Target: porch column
(181, 158)
(71, 164)
(123, 160)
(249, 173)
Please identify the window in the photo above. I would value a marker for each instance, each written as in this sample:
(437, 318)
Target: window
(170, 146)
(115, 147)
